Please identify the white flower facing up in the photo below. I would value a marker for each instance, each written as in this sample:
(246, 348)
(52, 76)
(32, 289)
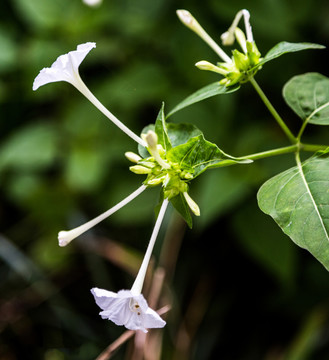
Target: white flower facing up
(66, 68)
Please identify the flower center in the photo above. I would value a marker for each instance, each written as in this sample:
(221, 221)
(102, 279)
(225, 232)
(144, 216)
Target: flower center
(134, 306)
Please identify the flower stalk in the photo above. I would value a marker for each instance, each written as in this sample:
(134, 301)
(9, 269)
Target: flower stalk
(65, 237)
(139, 281)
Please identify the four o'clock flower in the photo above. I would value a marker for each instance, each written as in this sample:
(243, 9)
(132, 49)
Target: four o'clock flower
(128, 307)
(66, 68)
(243, 65)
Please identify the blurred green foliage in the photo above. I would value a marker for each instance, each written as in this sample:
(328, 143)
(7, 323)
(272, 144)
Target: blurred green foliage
(253, 294)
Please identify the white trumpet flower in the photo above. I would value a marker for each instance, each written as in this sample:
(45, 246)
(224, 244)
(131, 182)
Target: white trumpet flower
(125, 308)
(66, 68)
(128, 307)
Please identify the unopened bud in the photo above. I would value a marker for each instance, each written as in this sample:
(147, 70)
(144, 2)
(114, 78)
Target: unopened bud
(227, 38)
(192, 204)
(140, 170)
(131, 156)
(187, 19)
(241, 39)
(206, 65)
(155, 181)
(188, 176)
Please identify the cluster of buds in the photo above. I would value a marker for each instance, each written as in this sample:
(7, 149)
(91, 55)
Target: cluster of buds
(161, 171)
(242, 65)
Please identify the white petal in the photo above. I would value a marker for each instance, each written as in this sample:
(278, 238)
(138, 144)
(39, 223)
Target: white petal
(153, 320)
(65, 68)
(103, 298)
(120, 308)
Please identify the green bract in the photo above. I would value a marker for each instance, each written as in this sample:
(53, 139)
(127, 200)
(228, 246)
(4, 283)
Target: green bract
(186, 154)
(243, 66)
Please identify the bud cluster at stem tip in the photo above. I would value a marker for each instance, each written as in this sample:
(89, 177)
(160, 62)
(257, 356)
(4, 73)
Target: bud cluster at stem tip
(243, 65)
(161, 171)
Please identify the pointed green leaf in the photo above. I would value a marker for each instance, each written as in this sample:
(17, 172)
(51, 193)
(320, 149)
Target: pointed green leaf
(181, 206)
(285, 47)
(298, 200)
(198, 154)
(161, 130)
(308, 96)
(204, 93)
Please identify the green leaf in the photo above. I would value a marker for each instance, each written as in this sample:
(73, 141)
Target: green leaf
(177, 133)
(298, 200)
(285, 47)
(202, 94)
(198, 154)
(308, 96)
(180, 204)
(182, 133)
(161, 130)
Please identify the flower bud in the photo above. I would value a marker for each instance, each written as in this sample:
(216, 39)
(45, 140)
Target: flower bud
(192, 204)
(131, 156)
(151, 139)
(140, 170)
(206, 65)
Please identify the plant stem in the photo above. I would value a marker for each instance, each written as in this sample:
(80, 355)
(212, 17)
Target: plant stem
(272, 110)
(284, 150)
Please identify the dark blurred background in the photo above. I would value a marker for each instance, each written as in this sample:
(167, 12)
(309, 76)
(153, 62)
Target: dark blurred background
(238, 287)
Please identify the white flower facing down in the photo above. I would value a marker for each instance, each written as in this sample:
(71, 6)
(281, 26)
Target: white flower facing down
(66, 68)
(128, 307)
(125, 308)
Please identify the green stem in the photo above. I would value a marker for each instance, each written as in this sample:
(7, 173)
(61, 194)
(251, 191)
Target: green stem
(312, 147)
(272, 110)
(300, 133)
(284, 150)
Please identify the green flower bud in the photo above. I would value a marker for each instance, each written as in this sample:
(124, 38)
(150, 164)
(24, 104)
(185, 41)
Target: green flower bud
(138, 169)
(131, 156)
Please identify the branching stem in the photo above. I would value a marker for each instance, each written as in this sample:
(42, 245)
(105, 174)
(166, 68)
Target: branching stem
(272, 110)
(284, 150)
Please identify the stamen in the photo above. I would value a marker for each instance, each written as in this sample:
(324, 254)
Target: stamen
(133, 306)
